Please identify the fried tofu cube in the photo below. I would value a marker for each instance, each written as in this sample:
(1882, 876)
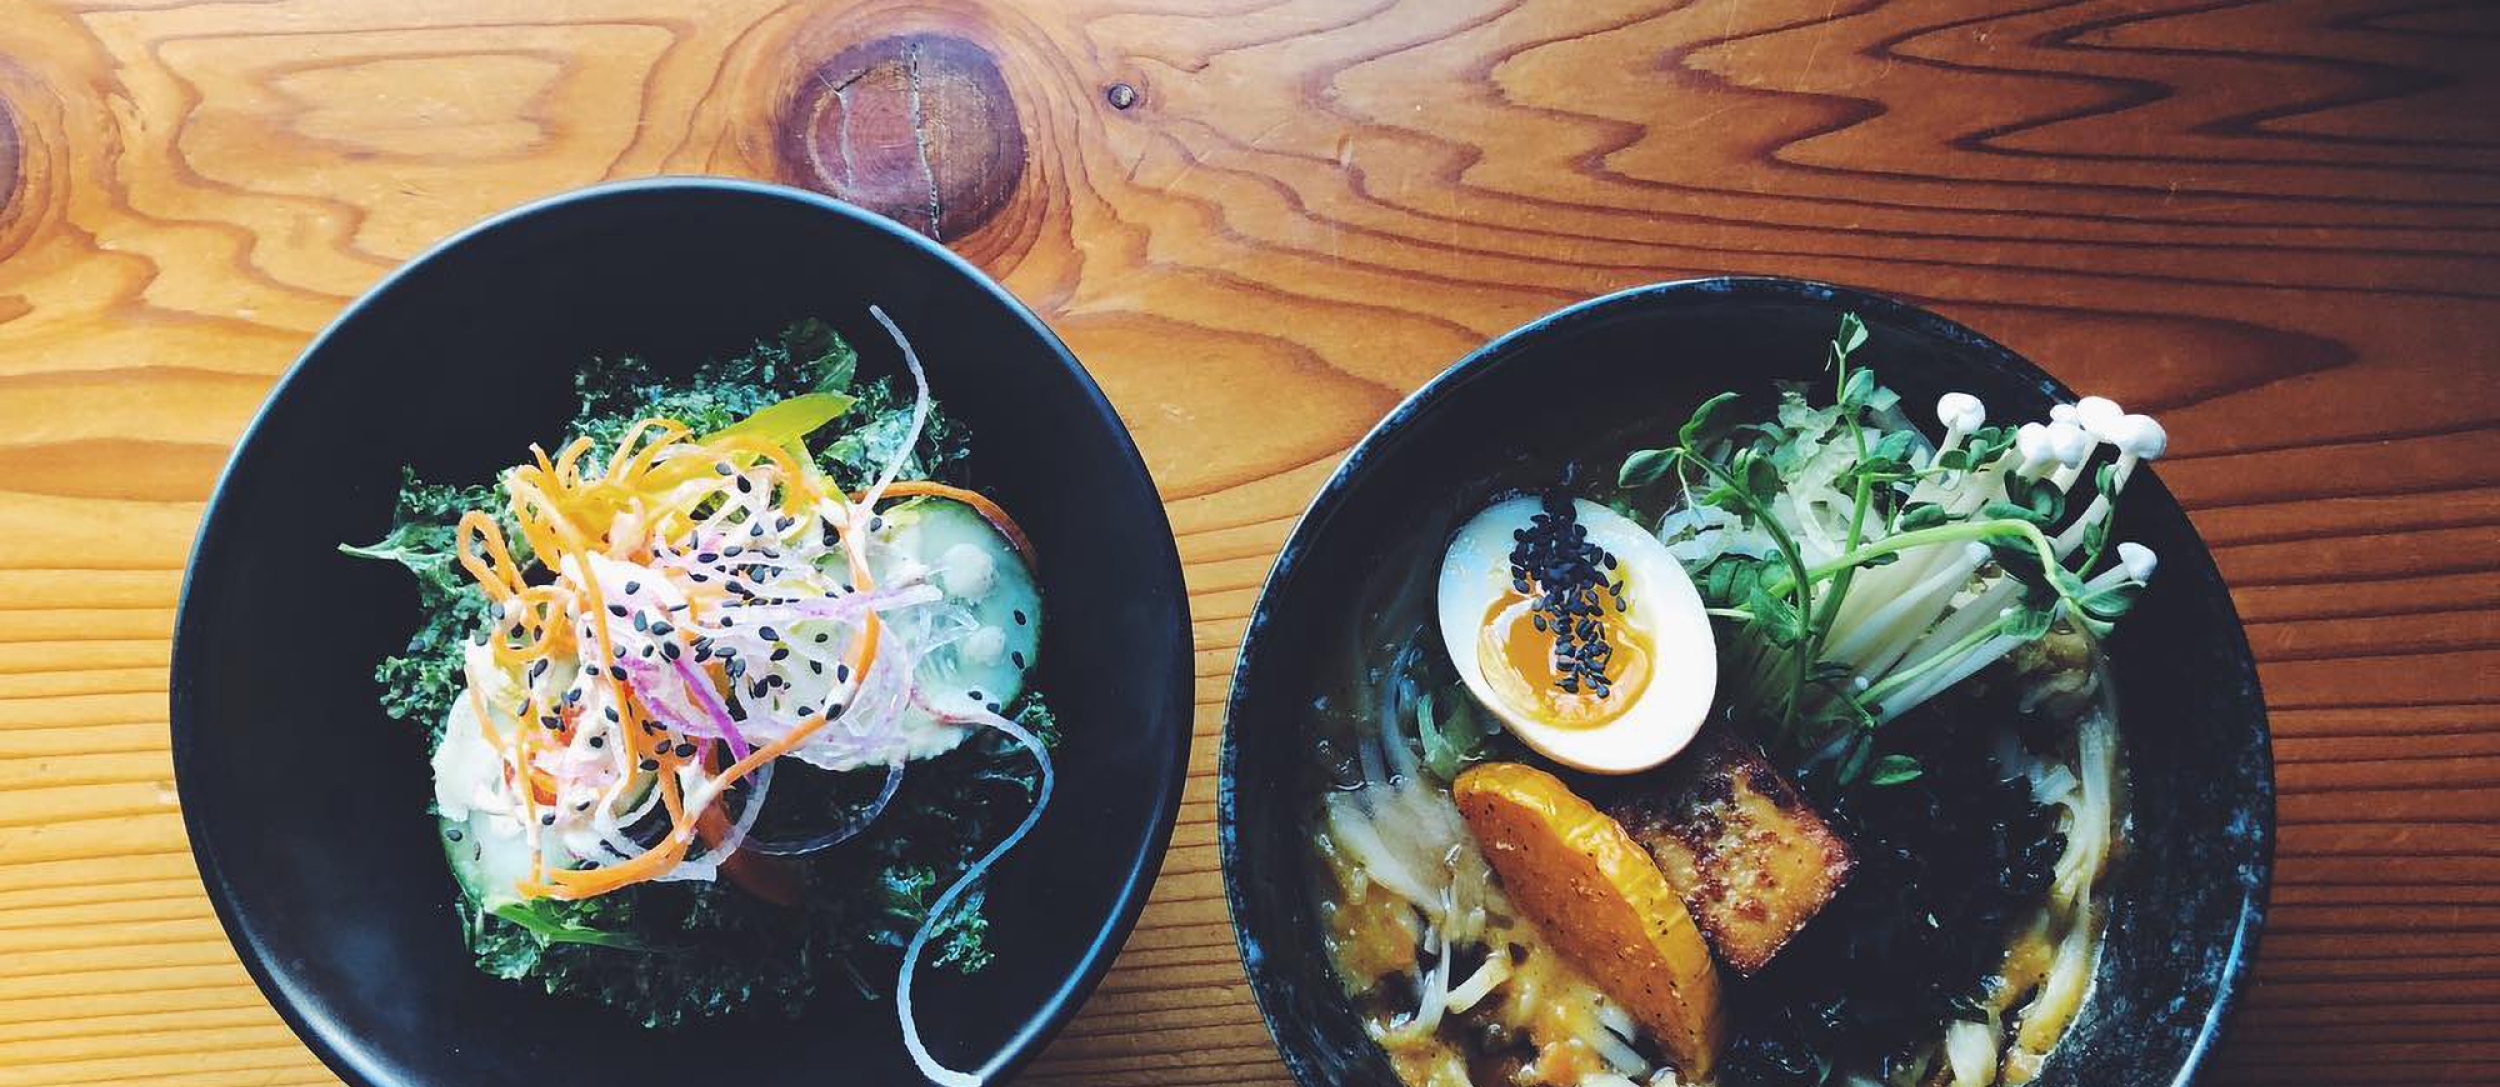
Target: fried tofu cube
(1752, 861)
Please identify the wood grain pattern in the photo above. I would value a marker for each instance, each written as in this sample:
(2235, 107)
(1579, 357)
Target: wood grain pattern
(2277, 223)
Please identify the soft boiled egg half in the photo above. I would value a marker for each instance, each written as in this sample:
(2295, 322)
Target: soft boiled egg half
(1580, 631)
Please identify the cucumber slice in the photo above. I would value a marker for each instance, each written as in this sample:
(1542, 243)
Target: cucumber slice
(486, 864)
(991, 589)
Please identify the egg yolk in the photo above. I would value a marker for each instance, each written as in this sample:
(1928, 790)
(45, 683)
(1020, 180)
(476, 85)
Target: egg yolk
(1518, 662)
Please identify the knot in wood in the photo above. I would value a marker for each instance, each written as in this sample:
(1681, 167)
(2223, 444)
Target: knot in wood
(916, 127)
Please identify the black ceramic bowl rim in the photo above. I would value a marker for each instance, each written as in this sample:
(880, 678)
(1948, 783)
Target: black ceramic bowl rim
(1267, 988)
(316, 1031)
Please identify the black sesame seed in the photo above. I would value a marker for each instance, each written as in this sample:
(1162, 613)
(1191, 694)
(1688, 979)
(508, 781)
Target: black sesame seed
(1572, 591)
(617, 610)
(642, 621)
(598, 741)
(662, 628)
(876, 524)
(453, 834)
(707, 556)
(547, 820)
(781, 653)
(1017, 657)
(768, 633)
(612, 713)
(842, 673)
(1019, 614)
(650, 764)
(973, 695)
(822, 638)
(685, 751)
(632, 587)
(723, 468)
(669, 650)
(993, 707)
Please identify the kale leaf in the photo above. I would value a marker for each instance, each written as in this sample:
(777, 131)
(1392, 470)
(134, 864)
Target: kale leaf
(418, 683)
(615, 391)
(707, 949)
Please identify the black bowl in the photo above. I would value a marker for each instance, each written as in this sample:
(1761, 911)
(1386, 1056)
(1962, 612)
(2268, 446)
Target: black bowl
(306, 806)
(2186, 905)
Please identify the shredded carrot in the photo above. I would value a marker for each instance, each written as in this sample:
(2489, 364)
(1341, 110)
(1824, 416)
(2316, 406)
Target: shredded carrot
(501, 577)
(568, 461)
(990, 511)
(665, 432)
(542, 518)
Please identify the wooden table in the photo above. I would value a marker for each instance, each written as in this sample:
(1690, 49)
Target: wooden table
(1260, 222)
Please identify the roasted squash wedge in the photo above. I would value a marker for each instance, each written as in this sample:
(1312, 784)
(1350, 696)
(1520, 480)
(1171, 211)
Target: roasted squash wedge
(1601, 901)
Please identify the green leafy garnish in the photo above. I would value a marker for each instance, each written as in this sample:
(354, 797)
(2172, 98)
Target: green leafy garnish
(1787, 515)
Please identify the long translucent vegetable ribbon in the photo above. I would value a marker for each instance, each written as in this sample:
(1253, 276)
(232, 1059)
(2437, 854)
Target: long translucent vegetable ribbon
(946, 903)
(848, 830)
(919, 411)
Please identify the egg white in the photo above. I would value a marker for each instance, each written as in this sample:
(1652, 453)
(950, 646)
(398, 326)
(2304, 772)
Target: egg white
(1661, 604)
